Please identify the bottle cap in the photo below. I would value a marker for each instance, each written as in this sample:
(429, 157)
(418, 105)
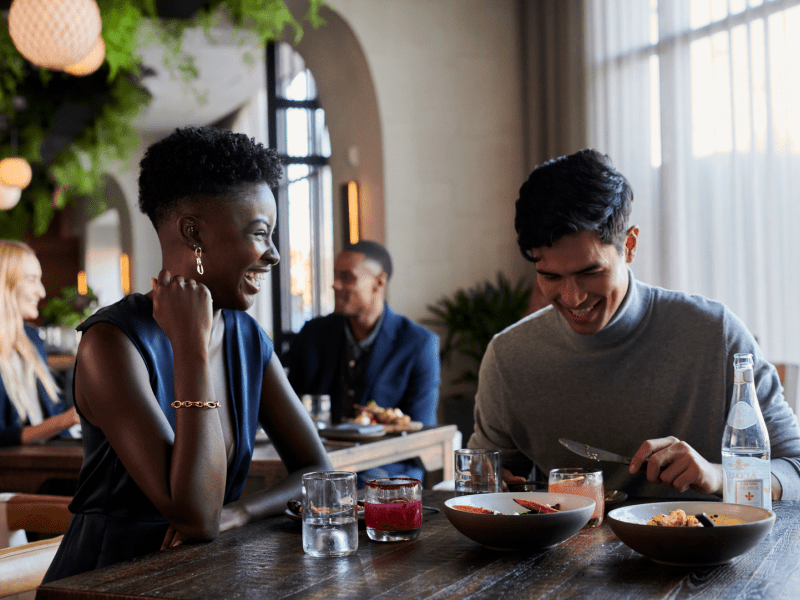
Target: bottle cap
(742, 361)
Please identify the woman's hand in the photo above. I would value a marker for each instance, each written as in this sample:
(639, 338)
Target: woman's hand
(67, 419)
(675, 464)
(183, 309)
(172, 538)
(50, 427)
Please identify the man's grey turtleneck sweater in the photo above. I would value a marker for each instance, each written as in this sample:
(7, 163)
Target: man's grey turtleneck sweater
(662, 366)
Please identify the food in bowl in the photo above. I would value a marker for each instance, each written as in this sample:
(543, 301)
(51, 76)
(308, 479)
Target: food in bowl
(691, 546)
(475, 509)
(501, 529)
(678, 518)
(534, 508)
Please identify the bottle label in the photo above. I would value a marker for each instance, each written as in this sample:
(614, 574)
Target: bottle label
(747, 481)
(742, 416)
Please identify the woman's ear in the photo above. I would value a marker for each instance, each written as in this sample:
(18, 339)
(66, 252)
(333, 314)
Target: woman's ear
(189, 231)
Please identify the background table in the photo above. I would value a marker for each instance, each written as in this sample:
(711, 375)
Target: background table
(27, 468)
(266, 560)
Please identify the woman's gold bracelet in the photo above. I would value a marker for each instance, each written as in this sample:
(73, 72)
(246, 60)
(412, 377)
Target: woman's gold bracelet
(188, 403)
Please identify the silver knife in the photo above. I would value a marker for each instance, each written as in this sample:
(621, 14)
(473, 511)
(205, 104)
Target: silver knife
(593, 453)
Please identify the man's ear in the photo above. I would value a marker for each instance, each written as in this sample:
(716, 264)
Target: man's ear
(190, 231)
(631, 242)
(382, 279)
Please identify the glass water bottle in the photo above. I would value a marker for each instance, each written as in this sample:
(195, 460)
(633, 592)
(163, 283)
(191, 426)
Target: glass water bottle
(745, 442)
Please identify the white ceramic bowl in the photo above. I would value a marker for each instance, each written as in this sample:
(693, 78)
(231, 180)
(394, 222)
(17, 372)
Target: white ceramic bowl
(520, 532)
(691, 546)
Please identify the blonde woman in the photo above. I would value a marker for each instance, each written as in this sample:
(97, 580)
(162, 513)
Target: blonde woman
(30, 407)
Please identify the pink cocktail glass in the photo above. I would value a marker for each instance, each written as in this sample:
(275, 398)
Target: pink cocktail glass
(393, 509)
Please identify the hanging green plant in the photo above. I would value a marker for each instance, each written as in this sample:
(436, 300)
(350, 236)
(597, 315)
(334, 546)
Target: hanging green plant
(75, 130)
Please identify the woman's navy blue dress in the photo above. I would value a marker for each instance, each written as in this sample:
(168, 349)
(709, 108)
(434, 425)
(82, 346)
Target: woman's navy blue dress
(113, 520)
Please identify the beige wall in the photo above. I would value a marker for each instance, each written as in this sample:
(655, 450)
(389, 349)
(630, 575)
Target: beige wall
(447, 80)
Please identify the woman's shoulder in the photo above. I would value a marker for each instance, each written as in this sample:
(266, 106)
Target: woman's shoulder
(248, 331)
(133, 311)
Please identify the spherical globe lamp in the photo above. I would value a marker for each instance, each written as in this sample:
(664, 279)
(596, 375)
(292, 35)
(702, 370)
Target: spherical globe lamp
(15, 172)
(9, 196)
(91, 62)
(54, 33)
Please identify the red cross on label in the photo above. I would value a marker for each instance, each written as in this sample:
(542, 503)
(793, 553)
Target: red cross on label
(749, 495)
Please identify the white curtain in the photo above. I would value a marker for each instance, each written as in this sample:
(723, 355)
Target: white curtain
(697, 102)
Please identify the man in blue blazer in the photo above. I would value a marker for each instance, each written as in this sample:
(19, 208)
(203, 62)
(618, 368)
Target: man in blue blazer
(364, 351)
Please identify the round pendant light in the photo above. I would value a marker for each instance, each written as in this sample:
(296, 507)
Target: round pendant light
(9, 196)
(15, 172)
(54, 33)
(91, 62)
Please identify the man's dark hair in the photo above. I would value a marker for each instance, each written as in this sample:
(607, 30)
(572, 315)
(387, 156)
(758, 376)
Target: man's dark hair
(373, 251)
(201, 161)
(570, 194)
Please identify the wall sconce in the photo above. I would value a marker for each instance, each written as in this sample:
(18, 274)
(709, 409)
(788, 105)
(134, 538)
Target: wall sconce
(83, 287)
(353, 212)
(54, 34)
(125, 273)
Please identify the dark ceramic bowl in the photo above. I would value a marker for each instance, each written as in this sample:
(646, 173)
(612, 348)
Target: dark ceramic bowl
(528, 533)
(691, 546)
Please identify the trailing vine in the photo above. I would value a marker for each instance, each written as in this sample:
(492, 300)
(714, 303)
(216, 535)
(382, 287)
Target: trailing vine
(33, 100)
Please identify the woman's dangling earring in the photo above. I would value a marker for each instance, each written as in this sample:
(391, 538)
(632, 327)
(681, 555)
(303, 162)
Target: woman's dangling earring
(197, 252)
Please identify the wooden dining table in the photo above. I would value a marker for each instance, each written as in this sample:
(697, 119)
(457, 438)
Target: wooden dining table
(265, 560)
(25, 469)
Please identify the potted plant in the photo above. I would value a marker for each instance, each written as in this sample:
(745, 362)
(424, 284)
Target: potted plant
(470, 319)
(61, 314)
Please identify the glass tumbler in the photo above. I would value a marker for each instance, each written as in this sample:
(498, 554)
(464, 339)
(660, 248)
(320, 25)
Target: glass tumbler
(393, 509)
(330, 513)
(319, 408)
(580, 482)
(478, 471)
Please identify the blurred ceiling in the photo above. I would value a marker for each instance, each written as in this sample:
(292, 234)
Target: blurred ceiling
(231, 71)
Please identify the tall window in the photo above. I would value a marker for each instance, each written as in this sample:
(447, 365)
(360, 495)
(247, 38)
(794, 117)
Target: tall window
(302, 289)
(698, 103)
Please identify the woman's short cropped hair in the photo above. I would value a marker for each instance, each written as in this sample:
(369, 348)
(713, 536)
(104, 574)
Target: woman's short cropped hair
(201, 162)
(570, 194)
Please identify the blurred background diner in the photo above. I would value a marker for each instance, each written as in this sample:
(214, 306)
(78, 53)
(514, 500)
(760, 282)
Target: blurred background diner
(412, 123)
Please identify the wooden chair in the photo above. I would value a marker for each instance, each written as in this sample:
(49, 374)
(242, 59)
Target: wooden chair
(23, 566)
(788, 374)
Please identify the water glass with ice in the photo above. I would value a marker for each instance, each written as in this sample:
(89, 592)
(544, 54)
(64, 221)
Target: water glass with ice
(393, 509)
(330, 513)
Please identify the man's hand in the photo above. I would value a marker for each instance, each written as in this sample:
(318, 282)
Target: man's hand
(676, 465)
(509, 477)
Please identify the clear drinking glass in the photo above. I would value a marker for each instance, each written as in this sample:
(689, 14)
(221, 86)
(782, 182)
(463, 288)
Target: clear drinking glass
(478, 471)
(319, 407)
(330, 513)
(393, 509)
(581, 482)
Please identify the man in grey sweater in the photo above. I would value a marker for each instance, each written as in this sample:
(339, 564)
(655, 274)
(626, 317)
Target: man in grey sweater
(613, 362)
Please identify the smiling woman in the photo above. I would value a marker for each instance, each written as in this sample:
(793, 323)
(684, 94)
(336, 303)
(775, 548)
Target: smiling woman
(31, 408)
(172, 385)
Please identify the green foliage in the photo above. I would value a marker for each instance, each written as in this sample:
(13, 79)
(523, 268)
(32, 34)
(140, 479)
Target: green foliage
(113, 96)
(472, 318)
(70, 308)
